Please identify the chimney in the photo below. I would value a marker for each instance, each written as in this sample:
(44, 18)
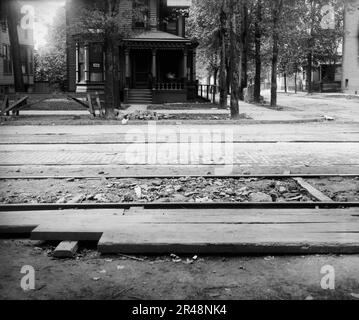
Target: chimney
(153, 14)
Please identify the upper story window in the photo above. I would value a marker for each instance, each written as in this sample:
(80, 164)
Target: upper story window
(3, 25)
(141, 14)
(7, 63)
(173, 17)
(26, 60)
(179, 3)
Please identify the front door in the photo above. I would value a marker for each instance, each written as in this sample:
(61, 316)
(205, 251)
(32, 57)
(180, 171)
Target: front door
(141, 69)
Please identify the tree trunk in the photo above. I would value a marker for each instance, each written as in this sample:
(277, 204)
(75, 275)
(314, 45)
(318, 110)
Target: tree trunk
(258, 60)
(12, 22)
(285, 82)
(295, 82)
(309, 73)
(110, 97)
(215, 73)
(234, 64)
(276, 11)
(244, 49)
(222, 76)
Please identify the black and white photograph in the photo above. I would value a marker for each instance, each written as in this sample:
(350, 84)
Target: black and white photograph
(184, 152)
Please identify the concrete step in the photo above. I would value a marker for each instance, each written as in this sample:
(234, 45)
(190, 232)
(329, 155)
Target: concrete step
(140, 96)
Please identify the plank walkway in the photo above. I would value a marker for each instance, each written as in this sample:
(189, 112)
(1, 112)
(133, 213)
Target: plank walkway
(218, 231)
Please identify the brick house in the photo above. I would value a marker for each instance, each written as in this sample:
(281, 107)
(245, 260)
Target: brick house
(26, 41)
(156, 64)
(351, 48)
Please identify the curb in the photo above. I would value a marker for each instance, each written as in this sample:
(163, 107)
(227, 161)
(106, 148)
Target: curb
(225, 122)
(160, 123)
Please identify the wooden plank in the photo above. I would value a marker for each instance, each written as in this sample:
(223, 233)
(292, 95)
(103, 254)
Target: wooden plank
(198, 231)
(89, 100)
(66, 249)
(98, 101)
(5, 104)
(79, 102)
(314, 192)
(215, 239)
(16, 104)
(16, 229)
(32, 219)
(31, 104)
(106, 218)
(68, 233)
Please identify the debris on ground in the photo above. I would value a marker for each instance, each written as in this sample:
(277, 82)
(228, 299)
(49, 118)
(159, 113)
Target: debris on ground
(175, 258)
(175, 190)
(149, 115)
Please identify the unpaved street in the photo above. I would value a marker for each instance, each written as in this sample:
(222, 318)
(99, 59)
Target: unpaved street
(91, 276)
(187, 149)
(101, 151)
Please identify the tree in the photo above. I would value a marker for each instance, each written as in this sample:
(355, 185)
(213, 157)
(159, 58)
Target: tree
(258, 61)
(10, 10)
(276, 10)
(207, 24)
(235, 64)
(107, 22)
(244, 41)
(50, 61)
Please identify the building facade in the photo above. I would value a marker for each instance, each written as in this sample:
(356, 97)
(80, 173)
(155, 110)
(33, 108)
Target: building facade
(26, 41)
(156, 63)
(351, 48)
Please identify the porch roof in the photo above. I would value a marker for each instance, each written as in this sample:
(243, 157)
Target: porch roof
(156, 35)
(158, 39)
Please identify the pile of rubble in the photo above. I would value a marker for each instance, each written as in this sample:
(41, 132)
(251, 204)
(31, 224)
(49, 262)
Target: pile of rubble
(185, 189)
(155, 116)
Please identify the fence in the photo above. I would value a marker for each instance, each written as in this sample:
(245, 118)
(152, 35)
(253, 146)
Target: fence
(208, 92)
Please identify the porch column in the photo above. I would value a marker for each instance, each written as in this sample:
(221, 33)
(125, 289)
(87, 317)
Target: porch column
(194, 71)
(77, 62)
(154, 67)
(185, 68)
(87, 62)
(127, 68)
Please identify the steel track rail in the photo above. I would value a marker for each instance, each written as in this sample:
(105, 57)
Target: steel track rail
(186, 205)
(165, 142)
(258, 176)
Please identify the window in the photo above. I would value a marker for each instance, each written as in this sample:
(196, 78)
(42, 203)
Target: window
(26, 56)
(31, 62)
(24, 60)
(7, 59)
(96, 62)
(3, 25)
(140, 16)
(172, 27)
(81, 60)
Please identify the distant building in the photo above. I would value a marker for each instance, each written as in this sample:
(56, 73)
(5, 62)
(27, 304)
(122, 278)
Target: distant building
(350, 82)
(26, 40)
(156, 65)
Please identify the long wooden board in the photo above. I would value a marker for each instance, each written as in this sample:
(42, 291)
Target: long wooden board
(196, 231)
(230, 239)
(314, 192)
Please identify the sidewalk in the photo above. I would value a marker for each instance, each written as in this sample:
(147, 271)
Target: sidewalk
(294, 108)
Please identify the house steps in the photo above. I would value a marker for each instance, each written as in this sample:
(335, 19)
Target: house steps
(140, 96)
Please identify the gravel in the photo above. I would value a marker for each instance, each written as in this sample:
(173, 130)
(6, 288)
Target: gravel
(185, 189)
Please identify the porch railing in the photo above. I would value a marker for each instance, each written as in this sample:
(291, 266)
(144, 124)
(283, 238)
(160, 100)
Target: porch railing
(169, 86)
(208, 92)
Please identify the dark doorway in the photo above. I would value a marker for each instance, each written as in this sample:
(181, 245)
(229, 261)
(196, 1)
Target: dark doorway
(141, 68)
